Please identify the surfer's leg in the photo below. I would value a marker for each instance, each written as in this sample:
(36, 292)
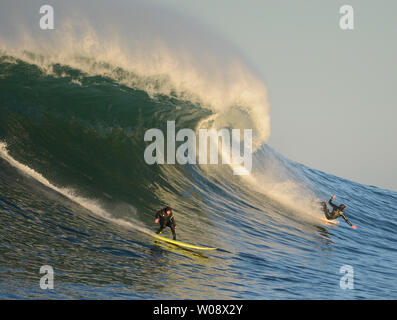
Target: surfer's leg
(325, 210)
(160, 229)
(173, 232)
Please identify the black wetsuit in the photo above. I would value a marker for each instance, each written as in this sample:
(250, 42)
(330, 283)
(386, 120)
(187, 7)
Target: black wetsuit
(166, 220)
(336, 212)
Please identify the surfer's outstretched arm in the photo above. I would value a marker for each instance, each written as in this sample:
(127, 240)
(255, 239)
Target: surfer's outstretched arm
(331, 204)
(348, 222)
(157, 216)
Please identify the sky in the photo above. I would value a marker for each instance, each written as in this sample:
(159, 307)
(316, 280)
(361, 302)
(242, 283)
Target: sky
(332, 92)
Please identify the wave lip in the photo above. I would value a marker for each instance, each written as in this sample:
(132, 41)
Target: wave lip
(167, 56)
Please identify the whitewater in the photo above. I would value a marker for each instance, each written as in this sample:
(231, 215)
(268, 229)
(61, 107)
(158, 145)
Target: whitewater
(77, 194)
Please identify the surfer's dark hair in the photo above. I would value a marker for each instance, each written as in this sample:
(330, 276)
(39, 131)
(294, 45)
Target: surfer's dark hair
(167, 209)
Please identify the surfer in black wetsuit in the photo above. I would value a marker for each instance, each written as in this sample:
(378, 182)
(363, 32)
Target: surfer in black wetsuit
(336, 212)
(166, 219)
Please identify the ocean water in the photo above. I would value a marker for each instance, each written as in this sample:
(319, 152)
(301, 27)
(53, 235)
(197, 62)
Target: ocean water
(77, 194)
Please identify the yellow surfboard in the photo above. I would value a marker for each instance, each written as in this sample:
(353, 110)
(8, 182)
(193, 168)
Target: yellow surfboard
(181, 244)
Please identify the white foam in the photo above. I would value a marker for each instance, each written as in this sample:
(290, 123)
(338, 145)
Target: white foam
(161, 55)
(88, 204)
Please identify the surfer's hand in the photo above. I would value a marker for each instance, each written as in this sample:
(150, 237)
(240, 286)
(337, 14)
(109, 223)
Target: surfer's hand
(156, 221)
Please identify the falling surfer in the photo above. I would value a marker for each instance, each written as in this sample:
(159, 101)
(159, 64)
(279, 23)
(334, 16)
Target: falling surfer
(166, 219)
(337, 211)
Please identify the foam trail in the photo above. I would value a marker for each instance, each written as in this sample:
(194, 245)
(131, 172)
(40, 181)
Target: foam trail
(88, 204)
(273, 178)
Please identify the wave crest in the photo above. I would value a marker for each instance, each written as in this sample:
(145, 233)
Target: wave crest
(151, 50)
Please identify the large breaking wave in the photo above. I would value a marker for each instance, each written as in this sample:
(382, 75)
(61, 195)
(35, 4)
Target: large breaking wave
(76, 102)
